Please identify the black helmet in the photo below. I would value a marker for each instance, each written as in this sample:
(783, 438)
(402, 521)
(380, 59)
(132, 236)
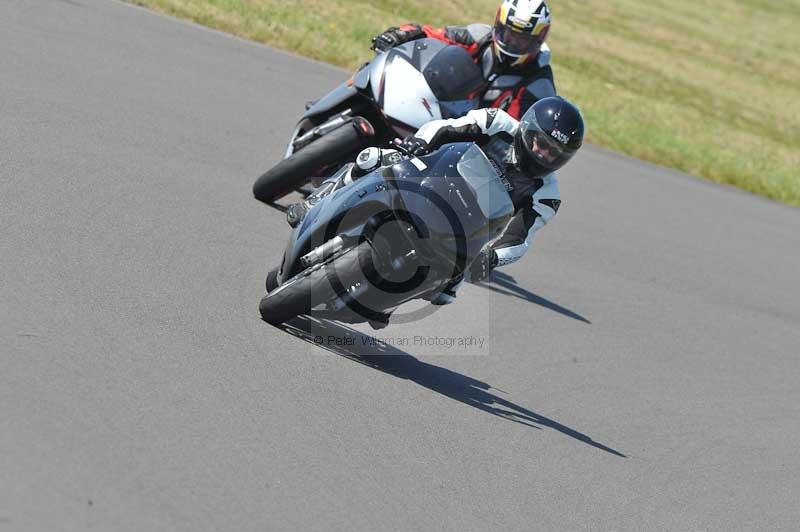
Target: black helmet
(550, 133)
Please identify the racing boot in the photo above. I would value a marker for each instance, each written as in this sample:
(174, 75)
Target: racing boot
(380, 321)
(369, 159)
(297, 211)
(448, 295)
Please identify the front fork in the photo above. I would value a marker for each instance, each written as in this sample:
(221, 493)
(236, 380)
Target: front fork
(298, 140)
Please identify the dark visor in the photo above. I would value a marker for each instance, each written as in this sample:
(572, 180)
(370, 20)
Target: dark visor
(516, 42)
(547, 150)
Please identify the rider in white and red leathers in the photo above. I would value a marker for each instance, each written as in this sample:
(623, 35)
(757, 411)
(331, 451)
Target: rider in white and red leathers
(512, 54)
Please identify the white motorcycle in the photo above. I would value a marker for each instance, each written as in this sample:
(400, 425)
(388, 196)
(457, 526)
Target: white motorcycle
(388, 98)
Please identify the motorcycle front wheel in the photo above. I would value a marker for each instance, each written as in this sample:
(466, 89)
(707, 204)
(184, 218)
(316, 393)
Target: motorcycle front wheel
(335, 148)
(319, 284)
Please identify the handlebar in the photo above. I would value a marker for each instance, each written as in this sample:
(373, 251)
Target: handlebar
(398, 144)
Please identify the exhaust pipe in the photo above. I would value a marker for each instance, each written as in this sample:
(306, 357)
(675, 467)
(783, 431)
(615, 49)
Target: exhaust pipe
(323, 129)
(320, 253)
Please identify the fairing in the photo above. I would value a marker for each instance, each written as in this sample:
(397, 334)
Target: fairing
(424, 80)
(336, 97)
(454, 197)
(406, 96)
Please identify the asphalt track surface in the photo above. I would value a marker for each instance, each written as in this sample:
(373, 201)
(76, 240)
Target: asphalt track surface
(639, 372)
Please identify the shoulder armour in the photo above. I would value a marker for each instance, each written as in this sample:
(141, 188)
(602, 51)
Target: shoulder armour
(459, 34)
(544, 56)
(479, 31)
(542, 88)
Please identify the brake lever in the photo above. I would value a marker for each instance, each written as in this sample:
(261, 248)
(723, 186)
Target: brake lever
(398, 143)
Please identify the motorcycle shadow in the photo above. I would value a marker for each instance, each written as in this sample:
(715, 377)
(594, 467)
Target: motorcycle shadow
(363, 349)
(505, 284)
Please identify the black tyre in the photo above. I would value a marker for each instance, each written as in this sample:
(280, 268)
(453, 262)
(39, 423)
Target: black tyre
(317, 285)
(271, 282)
(336, 147)
(305, 125)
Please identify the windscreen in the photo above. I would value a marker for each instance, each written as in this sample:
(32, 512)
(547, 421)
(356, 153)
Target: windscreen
(457, 109)
(453, 75)
(482, 178)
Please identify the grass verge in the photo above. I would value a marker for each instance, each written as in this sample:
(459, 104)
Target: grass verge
(711, 88)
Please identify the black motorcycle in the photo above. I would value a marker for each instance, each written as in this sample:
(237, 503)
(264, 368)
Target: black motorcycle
(404, 231)
(391, 96)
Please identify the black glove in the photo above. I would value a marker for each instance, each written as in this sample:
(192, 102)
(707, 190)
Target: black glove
(482, 266)
(416, 146)
(386, 40)
(394, 36)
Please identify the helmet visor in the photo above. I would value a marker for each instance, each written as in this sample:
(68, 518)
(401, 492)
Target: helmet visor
(546, 150)
(514, 42)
